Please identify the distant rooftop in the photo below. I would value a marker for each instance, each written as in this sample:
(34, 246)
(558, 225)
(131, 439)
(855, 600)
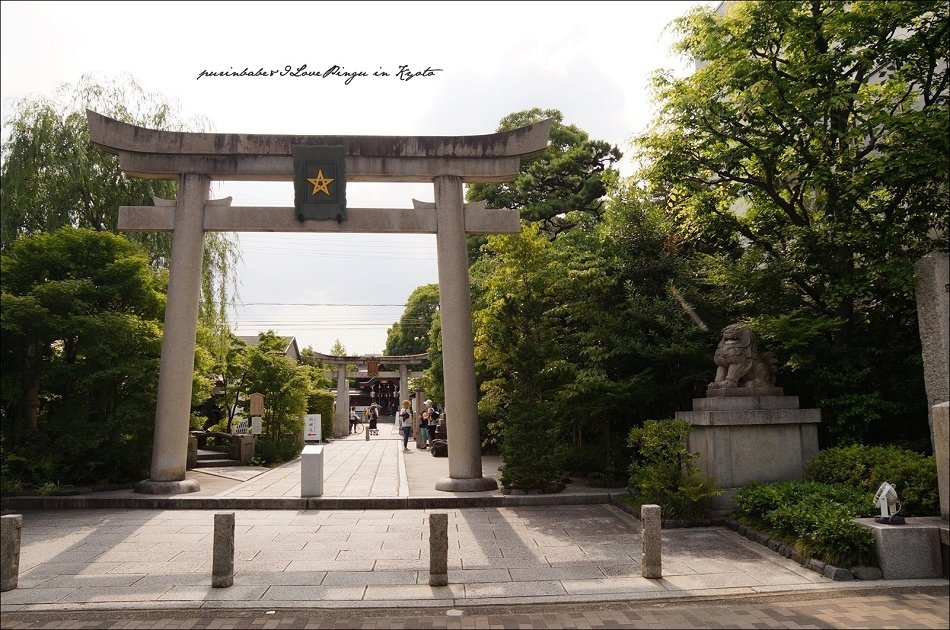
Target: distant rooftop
(290, 349)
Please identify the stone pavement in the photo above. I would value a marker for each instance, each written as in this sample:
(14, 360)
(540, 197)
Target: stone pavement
(910, 608)
(369, 559)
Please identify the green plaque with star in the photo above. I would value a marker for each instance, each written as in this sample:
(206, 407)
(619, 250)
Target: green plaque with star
(320, 182)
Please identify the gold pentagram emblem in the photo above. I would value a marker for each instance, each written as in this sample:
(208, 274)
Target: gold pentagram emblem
(320, 183)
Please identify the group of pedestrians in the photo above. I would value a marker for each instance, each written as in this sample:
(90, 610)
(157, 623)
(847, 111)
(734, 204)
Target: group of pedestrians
(427, 418)
(371, 415)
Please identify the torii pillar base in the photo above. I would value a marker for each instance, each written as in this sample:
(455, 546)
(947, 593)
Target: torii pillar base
(476, 484)
(184, 486)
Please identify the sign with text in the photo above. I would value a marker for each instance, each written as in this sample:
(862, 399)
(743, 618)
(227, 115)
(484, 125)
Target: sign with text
(372, 368)
(312, 429)
(257, 404)
(256, 425)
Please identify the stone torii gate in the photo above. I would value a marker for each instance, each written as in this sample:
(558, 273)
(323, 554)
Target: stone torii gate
(194, 159)
(404, 362)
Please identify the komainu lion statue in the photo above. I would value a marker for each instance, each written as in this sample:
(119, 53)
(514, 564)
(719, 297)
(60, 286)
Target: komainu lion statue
(739, 362)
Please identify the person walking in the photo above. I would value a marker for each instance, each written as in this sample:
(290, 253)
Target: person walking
(424, 428)
(405, 424)
(354, 418)
(373, 419)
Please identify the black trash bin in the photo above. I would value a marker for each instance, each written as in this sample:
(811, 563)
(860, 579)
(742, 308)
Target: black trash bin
(440, 448)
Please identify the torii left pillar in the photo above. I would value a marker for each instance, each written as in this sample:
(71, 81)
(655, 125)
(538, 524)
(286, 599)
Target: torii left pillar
(173, 411)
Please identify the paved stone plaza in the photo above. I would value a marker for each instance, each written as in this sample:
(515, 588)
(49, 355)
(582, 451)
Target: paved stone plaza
(346, 559)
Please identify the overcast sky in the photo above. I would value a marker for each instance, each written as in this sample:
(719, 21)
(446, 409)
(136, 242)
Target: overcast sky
(590, 60)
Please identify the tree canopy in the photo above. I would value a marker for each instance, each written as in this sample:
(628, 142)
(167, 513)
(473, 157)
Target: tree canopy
(410, 335)
(52, 176)
(81, 338)
(565, 185)
(808, 156)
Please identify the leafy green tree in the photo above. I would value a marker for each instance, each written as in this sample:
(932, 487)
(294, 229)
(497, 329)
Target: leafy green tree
(410, 335)
(337, 349)
(286, 388)
(522, 363)
(230, 370)
(433, 377)
(321, 376)
(53, 176)
(563, 187)
(80, 316)
(808, 156)
(612, 342)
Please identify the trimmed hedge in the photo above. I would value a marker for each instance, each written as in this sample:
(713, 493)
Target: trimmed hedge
(817, 515)
(866, 467)
(271, 452)
(817, 518)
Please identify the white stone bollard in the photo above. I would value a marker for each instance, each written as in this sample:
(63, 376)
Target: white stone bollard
(650, 562)
(311, 471)
(10, 528)
(222, 562)
(438, 549)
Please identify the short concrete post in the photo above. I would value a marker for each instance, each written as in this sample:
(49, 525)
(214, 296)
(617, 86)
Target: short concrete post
(366, 432)
(311, 471)
(10, 528)
(438, 549)
(222, 563)
(650, 563)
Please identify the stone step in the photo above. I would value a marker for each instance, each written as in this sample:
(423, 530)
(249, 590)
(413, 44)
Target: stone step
(214, 463)
(203, 454)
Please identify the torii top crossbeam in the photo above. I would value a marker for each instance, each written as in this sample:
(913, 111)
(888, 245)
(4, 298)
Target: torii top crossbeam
(402, 359)
(153, 154)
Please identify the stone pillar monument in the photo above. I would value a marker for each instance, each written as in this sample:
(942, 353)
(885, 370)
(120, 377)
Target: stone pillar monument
(932, 289)
(173, 410)
(746, 430)
(455, 305)
(418, 407)
(341, 423)
(403, 383)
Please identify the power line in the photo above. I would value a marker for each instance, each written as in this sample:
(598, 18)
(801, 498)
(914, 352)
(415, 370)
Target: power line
(233, 303)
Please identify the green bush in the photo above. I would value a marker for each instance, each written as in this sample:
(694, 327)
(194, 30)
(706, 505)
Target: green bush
(817, 517)
(321, 401)
(270, 451)
(866, 467)
(664, 472)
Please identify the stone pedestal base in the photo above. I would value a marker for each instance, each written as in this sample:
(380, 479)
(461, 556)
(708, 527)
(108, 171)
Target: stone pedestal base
(167, 487)
(478, 484)
(909, 551)
(941, 428)
(242, 448)
(192, 452)
(755, 436)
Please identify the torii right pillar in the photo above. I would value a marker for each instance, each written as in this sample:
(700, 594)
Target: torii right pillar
(458, 352)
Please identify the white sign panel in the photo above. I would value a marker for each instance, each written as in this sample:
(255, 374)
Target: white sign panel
(312, 429)
(256, 425)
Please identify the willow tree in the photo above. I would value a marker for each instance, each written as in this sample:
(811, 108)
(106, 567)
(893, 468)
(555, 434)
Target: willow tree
(53, 176)
(808, 154)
